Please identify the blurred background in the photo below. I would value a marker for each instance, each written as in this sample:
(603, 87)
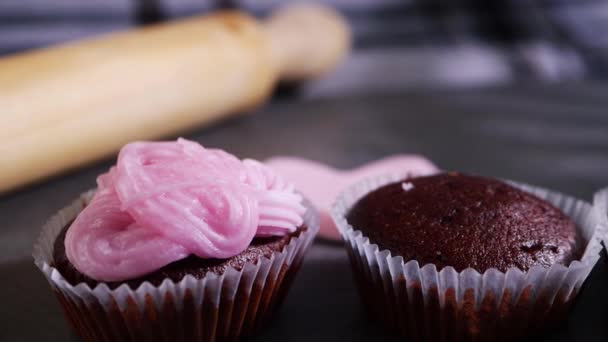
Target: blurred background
(505, 88)
(401, 43)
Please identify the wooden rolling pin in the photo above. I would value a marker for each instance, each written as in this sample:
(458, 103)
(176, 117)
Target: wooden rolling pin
(65, 106)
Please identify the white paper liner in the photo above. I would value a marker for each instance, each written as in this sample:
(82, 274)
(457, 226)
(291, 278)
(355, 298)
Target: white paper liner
(426, 304)
(216, 307)
(600, 202)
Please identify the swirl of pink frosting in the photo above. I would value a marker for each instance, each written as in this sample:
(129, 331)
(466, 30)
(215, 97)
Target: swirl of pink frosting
(164, 201)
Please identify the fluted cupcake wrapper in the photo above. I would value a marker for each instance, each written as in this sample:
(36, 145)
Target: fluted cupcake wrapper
(424, 303)
(600, 202)
(213, 308)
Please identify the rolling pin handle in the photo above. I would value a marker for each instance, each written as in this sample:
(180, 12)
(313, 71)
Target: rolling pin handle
(307, 40)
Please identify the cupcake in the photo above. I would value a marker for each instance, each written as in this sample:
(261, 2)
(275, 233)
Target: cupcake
(600, 202)
(457, 257)
(177, 242)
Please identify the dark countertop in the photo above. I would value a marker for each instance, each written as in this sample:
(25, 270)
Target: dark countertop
(551, 136)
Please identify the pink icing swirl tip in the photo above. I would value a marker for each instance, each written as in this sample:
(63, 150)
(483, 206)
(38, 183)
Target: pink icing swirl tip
(164, 201)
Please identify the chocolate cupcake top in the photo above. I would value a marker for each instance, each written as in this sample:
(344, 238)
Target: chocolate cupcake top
(463, 221)
(192, 265)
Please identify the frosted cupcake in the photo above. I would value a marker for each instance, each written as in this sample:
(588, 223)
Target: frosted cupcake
(178, 242)
(457, 257)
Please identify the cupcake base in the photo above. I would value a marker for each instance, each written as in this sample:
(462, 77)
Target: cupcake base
(215, 307)
(427, 304)
(421, 314)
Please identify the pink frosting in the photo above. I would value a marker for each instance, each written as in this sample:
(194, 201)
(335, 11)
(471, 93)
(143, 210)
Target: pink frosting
(166, 200)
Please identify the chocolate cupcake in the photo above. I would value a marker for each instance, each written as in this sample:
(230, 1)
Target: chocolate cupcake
(457, 257)
(465, 222)
(177, 242)
(600, 202)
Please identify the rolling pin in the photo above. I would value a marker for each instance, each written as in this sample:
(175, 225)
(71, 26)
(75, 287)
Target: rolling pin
(65, 106)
